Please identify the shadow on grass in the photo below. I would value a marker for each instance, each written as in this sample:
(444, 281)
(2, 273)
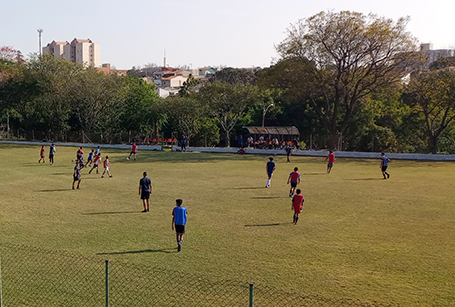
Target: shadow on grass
(311, 174)
(54, 190)
(362, 179)
(112, 212)
(162, 250)
(266, 225)
(269, 197)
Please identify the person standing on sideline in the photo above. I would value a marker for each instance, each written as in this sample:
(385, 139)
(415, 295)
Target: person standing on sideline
(297, 205)
(106, 167)
(294, 179)
(77, 175)
(51, 154)
(331, 158)
(384, 164)
(41, 154)
(288, 153)
(179, 219)
(183, 146)
(270, 168)
(133, 151)
(145, 189)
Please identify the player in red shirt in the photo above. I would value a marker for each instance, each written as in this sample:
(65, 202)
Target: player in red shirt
(41, 154)
(297, 205)
(106, 167)
(133, 151)
(294, 179)
(331, 158)
(96, 163)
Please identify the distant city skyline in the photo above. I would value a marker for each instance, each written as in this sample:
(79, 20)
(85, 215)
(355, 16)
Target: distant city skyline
(198, 33)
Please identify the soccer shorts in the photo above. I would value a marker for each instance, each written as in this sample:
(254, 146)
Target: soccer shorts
(145, 195)
(298, 209)
(180, 229)
(293, 184)
(330, 164)
(384, 168)
(106, 169)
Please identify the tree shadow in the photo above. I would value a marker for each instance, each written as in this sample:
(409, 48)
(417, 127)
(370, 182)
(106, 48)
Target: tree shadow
(266, 225)
(169, 250)
(112, 212)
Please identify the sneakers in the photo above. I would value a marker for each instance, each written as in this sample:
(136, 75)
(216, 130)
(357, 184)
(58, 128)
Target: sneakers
(110, 176)
(179, 246)
(102, 176)
(145, 210)
(388, 175)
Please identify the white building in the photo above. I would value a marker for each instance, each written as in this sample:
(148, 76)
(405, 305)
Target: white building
(434, 55)
(82, 51)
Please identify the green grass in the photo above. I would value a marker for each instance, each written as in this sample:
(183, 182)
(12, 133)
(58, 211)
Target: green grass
(359, 236)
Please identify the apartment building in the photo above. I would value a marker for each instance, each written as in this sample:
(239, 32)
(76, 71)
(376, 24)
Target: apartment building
(82, 51)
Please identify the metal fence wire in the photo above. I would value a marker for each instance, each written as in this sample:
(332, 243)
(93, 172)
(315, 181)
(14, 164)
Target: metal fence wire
(32, 276)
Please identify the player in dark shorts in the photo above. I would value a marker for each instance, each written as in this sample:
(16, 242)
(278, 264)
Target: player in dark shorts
(133, 151)
(294, 179)
(270, 167)
(384, 164)
(288, 153)
(51, 154)
(179, 219)
(297, 205)
(331, 158)
(77, 175)
(145, 188)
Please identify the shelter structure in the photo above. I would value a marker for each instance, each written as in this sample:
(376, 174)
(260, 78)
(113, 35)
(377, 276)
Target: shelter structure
(273, 135)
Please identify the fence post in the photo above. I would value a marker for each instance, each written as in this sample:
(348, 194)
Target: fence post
(251, 295)
(107, 283)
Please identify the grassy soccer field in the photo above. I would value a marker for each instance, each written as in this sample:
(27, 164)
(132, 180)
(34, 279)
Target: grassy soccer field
(359, 236)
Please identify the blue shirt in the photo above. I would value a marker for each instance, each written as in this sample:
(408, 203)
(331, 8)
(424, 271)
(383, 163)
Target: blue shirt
(385, 161)
(179, 214)
(52, 150)
(270, 166)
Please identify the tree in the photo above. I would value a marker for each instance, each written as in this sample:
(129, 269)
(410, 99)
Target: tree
(228, 103)
(432, 94)
(9, 53)
(234, 76)
(346, 56)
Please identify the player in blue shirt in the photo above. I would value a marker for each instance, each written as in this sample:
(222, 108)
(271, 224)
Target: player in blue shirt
(179, 219)
(270, 168)
(384, 164)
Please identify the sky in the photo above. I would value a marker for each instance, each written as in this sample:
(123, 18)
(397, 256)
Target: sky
(198, 33)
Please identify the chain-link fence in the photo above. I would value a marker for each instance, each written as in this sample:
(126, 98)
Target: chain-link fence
(36, 277)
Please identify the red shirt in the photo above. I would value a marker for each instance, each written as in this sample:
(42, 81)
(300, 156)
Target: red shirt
(106, 163)
(331, 158)
(42, 152)
(134, 147)
(295, 176)
(297, 201)
(97, 159)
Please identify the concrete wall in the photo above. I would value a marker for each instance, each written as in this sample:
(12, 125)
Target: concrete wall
(338, 154)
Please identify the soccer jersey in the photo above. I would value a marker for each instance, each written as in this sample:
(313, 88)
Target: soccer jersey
(385, 161)
(97, 160)
(42, 152)
(106, 163)
(179, 214)
(52, 150)
(331, 158)
(90, 156)
(134, 148)
(270, 166)
(294, 176)
(77, 171)
(297, 202)
(145, 184)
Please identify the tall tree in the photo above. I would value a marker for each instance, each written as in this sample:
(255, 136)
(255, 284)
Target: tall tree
(433, 95)
(228, 103)
(347, 55)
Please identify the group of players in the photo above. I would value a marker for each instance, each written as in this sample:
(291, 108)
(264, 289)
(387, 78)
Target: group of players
(294, 180)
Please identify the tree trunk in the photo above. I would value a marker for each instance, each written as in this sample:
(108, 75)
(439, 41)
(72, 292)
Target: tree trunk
(433, 143)
(228, 141)
(336, 140)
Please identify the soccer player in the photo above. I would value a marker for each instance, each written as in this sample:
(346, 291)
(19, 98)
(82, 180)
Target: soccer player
(79, 154)
(179, 219)
(106, 167)
(41, 154)
(145, 188)
(97, 150)
(133, 151)
(297, 205)
(77, 175)
(90, 157)
(51, 154)
(294, 179)
(96, 163)
(270, 168)
(384, 164)
(331, 158)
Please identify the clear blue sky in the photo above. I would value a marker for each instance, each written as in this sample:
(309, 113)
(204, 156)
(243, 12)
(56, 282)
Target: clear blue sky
(236, 33)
